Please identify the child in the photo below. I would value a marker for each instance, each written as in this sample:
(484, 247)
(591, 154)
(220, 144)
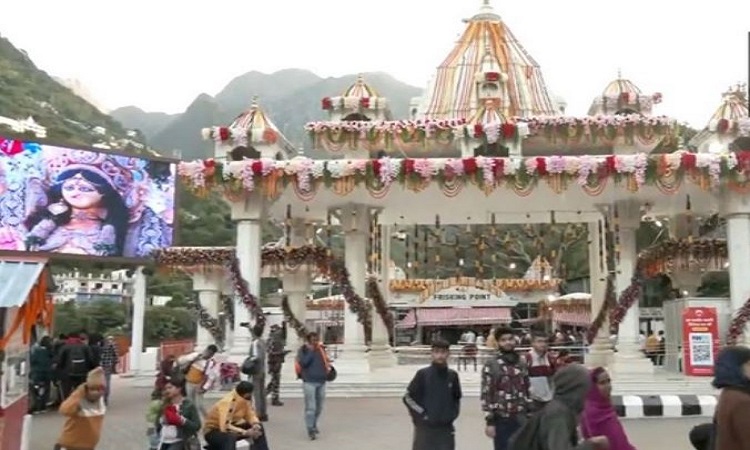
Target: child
(152, 415)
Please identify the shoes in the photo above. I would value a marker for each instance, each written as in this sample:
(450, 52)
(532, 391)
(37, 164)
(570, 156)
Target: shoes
(312, 435)
(277, 403)
(263, 418)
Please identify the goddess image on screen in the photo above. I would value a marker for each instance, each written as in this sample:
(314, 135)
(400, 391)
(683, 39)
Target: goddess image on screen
(84, 202)
(85, 215)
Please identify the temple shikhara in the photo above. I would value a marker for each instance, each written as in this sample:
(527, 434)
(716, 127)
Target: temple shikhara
(487, 144)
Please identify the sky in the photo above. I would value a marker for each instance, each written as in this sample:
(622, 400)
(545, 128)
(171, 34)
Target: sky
(159, 55)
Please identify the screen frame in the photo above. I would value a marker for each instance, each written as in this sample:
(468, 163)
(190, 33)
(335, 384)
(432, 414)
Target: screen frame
(134, 261)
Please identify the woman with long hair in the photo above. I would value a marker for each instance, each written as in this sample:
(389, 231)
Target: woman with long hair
(84, 215)
(178, 423)
(732, 421)
(599, 417)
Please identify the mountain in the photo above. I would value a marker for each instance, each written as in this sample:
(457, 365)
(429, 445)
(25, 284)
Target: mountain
(291, 97)
(81, 90)
(27, 91)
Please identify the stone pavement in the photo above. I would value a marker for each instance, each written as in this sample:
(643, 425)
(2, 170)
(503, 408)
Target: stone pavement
(364, 424)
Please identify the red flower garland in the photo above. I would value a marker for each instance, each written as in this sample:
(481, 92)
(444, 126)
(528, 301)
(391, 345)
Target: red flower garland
(737, 325)
(601, 316)
(291, 320)
(381, 306)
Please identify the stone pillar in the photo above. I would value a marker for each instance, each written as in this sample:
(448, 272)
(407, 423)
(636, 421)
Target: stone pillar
(629, 359)
(381, 354)
(600, 350)
(228, 290)
(208, 285)
(737, 213)
(248, 214)
(355, 222)
(139, 313)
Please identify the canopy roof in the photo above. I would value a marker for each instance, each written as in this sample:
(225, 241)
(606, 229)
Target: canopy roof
(452, 93)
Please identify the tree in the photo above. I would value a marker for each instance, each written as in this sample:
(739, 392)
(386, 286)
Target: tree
(164, 323)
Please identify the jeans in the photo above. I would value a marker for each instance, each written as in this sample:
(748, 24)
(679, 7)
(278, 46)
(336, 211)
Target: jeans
(259, 393)
(175, 446)
(107, 386)
(315, 394)
(216, 440)
(504, 429)
(194, 394)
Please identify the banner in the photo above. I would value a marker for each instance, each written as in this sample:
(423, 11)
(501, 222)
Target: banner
(700, 340)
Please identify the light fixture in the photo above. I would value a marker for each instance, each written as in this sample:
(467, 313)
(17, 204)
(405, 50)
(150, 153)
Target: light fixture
(551, 297)
(685, 293)
(658, 223)
(512, 266)
(726, 265)
(460, 261)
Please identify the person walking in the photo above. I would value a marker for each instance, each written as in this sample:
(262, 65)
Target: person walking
(84, 411)
(504, 394)
(276, 355)
(179, 422)
(41, 375)
(541, 368)
(233, 419)
(200, 371)
(313, 367)
(257, 372)
(599, 417)
(555, 426)
(109, 361)
(74, 362)
(433, 399)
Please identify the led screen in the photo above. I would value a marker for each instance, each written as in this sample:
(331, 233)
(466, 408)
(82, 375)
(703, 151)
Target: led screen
(67, 201)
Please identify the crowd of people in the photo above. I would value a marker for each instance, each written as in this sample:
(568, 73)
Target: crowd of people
(531, 401)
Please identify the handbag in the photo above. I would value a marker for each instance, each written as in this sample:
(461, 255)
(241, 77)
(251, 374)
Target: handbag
(248, 366)
(332, 374)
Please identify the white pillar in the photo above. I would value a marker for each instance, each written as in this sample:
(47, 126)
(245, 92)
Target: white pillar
(297, 283)
(738, 239)
(355, 221)
(629, 359)
(228, 290)
(381, 354)
(600, 350)
(248, 214)
(139, 313)
(208, 285)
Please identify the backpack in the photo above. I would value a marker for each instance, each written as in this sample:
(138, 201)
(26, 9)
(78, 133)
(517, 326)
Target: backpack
(77, 360)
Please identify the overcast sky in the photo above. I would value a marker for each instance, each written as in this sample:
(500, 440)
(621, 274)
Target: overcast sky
(159, 55)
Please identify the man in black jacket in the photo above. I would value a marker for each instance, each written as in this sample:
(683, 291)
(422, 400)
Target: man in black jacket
(433, 399)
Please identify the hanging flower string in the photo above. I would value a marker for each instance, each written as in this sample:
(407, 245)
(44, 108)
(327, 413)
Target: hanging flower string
(227, 303)
(291, 320)
(601, 316)
(738, 323)
(205, 321)
(192, 258)
(380, 305)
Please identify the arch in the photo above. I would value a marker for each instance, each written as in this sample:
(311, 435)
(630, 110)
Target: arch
(356, 117)
(627, 112)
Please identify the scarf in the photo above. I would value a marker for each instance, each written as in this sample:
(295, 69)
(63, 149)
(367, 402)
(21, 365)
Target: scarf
(600, 418)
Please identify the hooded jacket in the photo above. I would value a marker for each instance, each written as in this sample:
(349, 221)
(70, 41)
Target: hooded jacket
(556, 426)
(732, 421)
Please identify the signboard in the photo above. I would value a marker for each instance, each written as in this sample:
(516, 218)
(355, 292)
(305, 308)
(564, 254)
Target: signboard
(460, 296)
(67, 201)
(700, 340)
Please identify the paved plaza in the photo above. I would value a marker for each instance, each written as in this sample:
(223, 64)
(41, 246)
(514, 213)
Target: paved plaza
(362, 424)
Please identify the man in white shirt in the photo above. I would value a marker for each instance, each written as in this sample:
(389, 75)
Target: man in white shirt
(201, 372)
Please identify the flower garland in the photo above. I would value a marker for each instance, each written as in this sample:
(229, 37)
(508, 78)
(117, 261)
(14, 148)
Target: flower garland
(227, 303)
(335, 270)
(205, 321)
(486, 173)
(739, 127)
(737, 325)
(591, 128)
(380, 305)
(628, 298)
(291, 320)
(684, 254)
(601, 316)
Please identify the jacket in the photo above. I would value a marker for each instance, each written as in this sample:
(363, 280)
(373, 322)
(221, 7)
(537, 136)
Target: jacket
(83, 421)
(41, 364)
(505, 387)
(229, 413)
(732, 420)
(189, 412)
(313, 365)
(555, 427)
(433, 397)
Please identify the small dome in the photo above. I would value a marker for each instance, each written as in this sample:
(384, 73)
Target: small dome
(621, 86)
(733, 106)
(360, 89)
(486, 13)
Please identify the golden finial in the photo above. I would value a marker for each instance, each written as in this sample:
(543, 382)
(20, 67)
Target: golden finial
(254, 103)
(619, 73)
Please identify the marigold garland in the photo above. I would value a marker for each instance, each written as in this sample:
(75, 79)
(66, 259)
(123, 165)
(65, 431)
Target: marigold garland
(206, 321)
(380, 305)
(292, 320)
